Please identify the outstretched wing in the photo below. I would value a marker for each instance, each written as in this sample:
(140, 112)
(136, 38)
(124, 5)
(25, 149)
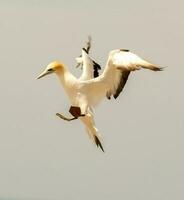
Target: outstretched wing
(90, 67)
(112, 81)
(87, 48)
(119, 65)
(88, 44)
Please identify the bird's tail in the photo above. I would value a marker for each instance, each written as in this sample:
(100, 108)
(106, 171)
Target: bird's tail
(93, 134)
(91, 129)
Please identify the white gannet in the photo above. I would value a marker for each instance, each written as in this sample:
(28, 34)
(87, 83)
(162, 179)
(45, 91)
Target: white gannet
(86, 93)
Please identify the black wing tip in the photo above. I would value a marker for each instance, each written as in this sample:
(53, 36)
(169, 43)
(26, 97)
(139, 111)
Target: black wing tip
(158, 69)
(126, 50)
(96, 65)
(95, 74)
(84, 50)
(124, 78)
(98, 143)
(116, 96)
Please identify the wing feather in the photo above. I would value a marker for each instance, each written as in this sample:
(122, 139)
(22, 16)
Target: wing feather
(90, 67)
(123, 80)
(111, 82)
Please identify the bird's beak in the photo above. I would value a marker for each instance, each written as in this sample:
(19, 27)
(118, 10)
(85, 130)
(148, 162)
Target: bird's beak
(44, 73)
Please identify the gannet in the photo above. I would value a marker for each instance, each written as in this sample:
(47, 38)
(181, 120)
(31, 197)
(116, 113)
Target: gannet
(85, 93)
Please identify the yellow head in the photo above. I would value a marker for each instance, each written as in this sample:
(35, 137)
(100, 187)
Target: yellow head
(53, 67)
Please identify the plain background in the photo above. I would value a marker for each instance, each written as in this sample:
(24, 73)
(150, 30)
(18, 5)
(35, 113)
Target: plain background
(42, 157)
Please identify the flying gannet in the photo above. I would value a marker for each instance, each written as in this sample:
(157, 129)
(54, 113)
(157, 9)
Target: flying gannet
(85, 93)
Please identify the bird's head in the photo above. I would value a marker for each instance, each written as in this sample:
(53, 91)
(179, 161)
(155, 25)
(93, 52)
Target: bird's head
(53, 67)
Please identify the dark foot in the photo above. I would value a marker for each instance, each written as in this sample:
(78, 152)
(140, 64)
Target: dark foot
(65, 118)
(76, 111)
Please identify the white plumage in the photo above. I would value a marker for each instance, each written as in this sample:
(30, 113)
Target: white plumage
(86, 92)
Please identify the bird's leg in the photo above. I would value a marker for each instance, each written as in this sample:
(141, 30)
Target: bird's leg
(75, 111)
(65, 118)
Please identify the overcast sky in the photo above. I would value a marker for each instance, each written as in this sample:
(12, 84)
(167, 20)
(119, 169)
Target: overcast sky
(43, 157)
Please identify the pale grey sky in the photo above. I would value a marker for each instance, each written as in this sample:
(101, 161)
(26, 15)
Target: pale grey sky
(42, 157)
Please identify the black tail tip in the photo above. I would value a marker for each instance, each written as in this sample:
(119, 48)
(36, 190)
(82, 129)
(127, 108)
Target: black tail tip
(98, 143)
(158, 69)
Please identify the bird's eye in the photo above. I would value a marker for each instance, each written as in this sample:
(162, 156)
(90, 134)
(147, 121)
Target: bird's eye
(50, 70)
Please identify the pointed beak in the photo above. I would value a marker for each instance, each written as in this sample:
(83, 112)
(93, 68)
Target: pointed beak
(44, 73)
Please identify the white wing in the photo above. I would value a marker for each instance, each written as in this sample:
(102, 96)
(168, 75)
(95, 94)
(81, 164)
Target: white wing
(119, 65)
(87, 48)
(90, 67)
(88, 44)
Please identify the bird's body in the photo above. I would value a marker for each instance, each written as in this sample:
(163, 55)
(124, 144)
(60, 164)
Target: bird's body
(86, 92)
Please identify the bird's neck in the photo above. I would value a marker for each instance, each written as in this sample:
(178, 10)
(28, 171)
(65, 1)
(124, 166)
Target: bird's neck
(65, 77)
